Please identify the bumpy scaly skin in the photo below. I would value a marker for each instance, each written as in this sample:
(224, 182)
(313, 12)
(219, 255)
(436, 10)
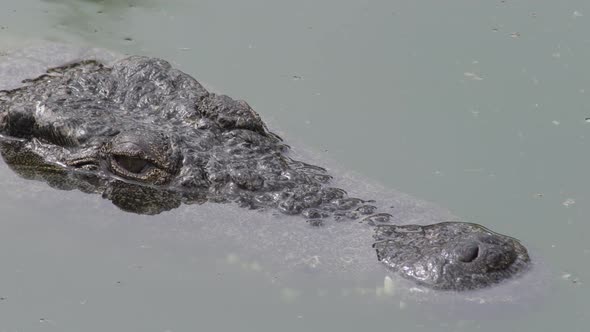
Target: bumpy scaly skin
(476, 255)
(144, 121)
(149, 137)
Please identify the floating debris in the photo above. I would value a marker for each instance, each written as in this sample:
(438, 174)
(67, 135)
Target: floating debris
(515, 35)
(473, 76)
(568, 202)
(570, 278)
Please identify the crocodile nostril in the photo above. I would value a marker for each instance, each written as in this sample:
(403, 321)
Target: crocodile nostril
(469, 254)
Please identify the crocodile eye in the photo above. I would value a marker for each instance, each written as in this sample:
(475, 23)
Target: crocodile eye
(131, 164)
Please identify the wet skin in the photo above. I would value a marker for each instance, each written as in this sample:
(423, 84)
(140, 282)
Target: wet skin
(149, 137)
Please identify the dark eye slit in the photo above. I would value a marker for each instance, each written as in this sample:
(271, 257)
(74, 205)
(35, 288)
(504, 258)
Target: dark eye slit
(132, 164)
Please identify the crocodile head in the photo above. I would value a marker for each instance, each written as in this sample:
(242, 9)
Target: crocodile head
(450, 255)
(149, 138)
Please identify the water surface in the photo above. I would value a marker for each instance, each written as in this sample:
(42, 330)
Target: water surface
(477, 107)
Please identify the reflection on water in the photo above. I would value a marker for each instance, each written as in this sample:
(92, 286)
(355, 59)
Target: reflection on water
(128, 197)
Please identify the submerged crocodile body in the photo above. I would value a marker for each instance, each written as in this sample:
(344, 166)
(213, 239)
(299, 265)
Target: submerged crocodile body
(150, 137)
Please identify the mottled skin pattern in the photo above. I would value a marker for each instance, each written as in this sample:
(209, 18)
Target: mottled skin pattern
(149, 137)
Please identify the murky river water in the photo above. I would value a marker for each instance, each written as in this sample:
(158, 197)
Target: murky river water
(478, 107)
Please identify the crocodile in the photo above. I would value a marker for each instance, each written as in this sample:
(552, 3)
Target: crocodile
(150, 137)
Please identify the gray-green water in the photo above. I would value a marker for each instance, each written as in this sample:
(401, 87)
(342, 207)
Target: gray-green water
(479, 107)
